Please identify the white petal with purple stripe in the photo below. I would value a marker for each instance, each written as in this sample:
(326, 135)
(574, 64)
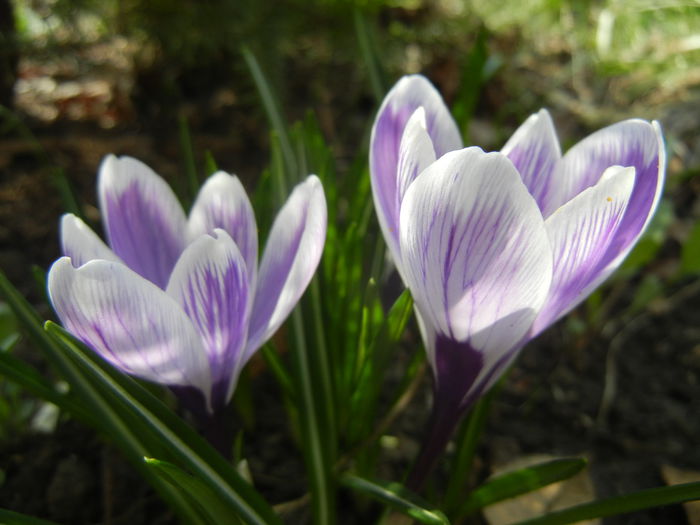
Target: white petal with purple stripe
(581, 232)
(635, 143)
(223, 203)
(143, 219)
(409, 94)
(130, 322)
(534, 150)
(210, 283)
(415, 153)
(475, 252)
(291, 255)
(80, 243)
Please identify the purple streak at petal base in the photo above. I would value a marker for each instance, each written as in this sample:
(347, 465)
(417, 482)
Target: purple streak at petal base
(457, 367)
(214, 426)
(141, 237)
(455, 394)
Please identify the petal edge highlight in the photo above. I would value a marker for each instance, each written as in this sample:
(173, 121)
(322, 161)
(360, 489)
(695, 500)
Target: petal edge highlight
(223, 203)
(409, 93)
(80, 243)
(534, 150)
(291, 255)
(129, 321)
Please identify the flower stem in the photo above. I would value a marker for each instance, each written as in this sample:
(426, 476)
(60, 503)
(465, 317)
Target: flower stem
(214, 426)
(441, 426)
(216, 429)
(457, 366)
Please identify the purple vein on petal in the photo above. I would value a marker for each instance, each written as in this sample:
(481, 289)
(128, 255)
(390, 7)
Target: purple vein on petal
(474, 249)
(129, 321)
(581, 233)
(223, 203)
(409, 93)
(534, 150)
(211, 284)
(144, 221)
(291, 255)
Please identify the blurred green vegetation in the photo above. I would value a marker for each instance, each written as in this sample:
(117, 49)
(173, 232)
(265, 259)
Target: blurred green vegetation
(16, 409)
(641, 52)
(600, 60)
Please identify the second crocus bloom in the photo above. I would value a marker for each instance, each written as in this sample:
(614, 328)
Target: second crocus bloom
(181, 300)
(495, 247)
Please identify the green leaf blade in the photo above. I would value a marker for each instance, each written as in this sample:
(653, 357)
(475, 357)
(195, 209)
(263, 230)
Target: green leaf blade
(314, 428)
(645, 499)
(193, 489)
(132, 403)
(521, 481)
(397, 497)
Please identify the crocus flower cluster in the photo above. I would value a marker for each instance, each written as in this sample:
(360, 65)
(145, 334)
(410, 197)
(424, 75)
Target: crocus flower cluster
(495, 247)
(181, 300)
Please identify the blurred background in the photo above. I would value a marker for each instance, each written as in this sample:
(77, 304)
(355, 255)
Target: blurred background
(617, 381)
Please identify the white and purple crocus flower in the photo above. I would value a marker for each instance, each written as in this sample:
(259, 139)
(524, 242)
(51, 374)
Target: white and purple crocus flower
(181, 300)
(495, 247)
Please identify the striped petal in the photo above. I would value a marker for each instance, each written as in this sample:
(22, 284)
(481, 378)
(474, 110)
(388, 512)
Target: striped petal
(409, 93)
(635, 143)
(80, 243)
(291, 255)
(475, 251)
(210, 283)
(415, 154)
(581, 233)
(143, 219)
(223, 203)
(534, 150)
(130, 322)
(650, 175)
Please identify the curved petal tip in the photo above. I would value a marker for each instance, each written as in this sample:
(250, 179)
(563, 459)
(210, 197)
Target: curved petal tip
(291, 256)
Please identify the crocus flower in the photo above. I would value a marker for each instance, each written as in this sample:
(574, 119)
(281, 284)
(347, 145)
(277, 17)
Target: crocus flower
(495, 247)
(181, 300)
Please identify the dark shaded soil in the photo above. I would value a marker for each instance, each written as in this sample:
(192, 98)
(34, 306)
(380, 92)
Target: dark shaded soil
(552, 404)
(71, 476)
